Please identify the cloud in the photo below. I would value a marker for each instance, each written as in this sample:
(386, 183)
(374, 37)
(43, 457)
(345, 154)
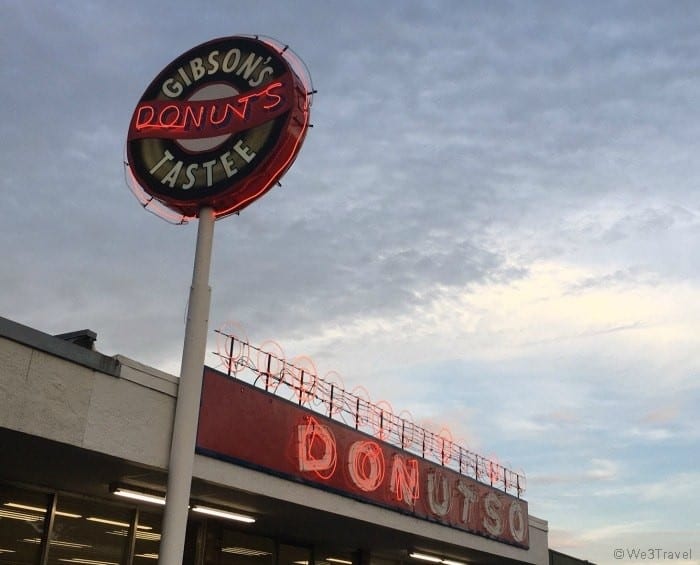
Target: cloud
(492, 224)
(678, 486)
(628, 278)
(535, 312)
(650, 434)
(662, 414)
(603, 469)
(614, 531)
(598, 470)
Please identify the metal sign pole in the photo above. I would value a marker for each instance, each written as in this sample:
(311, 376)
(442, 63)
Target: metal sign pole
(182, 446)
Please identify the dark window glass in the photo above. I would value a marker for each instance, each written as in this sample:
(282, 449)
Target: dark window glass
(22, 519)
(147, 539)
(229, 547)
(330, 556)
(293, 555)
(86, 531)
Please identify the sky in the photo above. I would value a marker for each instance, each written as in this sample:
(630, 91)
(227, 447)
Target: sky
(493, 224)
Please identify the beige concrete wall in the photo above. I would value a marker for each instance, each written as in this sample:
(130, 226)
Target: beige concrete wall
(128, 416)
(131, 416)
(43, 395)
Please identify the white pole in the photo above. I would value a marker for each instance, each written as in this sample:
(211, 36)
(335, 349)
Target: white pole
(182, 446)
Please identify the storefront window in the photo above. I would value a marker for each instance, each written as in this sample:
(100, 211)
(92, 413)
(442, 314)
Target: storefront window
(147, 539)
(326, 556)
(89, 532)
(293, 555)
(229, 547)
(22, 523)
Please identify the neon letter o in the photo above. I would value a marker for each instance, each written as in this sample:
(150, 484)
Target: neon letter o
(366, 465)
(515, 514)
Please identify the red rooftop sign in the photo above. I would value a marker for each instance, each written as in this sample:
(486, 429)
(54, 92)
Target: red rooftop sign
(299, 444)
(219, 126)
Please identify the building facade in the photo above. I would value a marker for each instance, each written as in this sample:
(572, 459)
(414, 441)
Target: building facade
(77, 428)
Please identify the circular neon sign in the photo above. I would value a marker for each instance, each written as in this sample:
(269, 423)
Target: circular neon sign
(218, 127)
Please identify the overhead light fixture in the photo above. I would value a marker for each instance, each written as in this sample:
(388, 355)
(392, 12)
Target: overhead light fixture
(424, 557)
(223, 514)
(108, 522)
(58, 543)
(248, 552)
(68, 514)
(87, 561)
(149, 536)
(434, 559)
(115, 523)
(20, 516)
(138, 495)
(40, 509)
(338, 560)
(25, 507)
(157, 499)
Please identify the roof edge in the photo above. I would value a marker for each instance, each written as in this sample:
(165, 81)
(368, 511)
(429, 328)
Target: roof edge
(59, 347)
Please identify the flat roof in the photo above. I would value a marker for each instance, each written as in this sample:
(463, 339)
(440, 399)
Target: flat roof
(60, 347)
